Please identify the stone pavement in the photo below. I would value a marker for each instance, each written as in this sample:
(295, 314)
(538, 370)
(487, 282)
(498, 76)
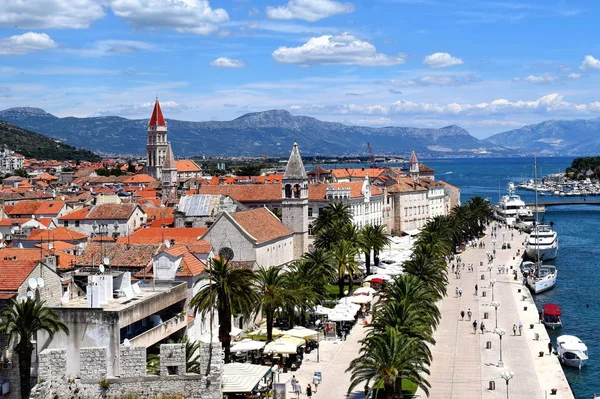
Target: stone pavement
(462, 366)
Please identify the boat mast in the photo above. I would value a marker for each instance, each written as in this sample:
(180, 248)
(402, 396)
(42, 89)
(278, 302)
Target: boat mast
(536, 228)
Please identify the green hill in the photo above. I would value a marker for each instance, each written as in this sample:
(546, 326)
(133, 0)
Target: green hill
(34, 145)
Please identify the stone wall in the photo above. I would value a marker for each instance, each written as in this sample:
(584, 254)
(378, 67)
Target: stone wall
(133, 361)
(134, 382)
(92, 363)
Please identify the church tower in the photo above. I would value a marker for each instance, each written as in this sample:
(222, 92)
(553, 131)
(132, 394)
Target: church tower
(294, 210)
(169, 177)
(413, 166)
(156, 147)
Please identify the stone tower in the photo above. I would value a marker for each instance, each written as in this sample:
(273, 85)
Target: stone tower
(294, 210)
(413, 166)
(169, 177)
(156, 147)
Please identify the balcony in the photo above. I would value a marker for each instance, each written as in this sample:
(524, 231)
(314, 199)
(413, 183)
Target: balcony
(160, 332)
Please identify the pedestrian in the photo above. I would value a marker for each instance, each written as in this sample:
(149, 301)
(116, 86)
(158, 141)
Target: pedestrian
(475, 289)
(515, 330)
(308, 391)
(462, 314)
(475, 327)
(366, 390)
(459, 292)
(456, 291)
(550, 348)
(482, 327)
(520, 328)
(316, 381)
(298, 389)
(469, 314)
(294, 383)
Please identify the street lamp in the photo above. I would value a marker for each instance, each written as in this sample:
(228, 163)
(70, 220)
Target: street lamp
(496, 304)
(500, 332)
(507, 375)
(492, 283)
(490, 270)
(494, 243)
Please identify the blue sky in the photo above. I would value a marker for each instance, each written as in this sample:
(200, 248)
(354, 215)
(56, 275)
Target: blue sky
(487, 66)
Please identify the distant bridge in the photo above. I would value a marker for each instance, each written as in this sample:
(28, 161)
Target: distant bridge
(542, 205)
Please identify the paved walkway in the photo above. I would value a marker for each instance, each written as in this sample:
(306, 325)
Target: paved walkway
(462, 366)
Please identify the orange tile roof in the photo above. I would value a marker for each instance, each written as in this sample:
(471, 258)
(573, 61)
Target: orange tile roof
(139, 179)
(111, 212)
(261, 224)
(56, 245)
(20, 254)
(119, 254)
(45, 176)
(153, 213)
(37, 208)
(163, 222)
(186, 165)
(65, 261)
(155, 235)
(406, 184)
(13, 273)
(11, 221)
(190, 266)
(45, 221)
(77, 214)
(357, 173)
(319, 191)
(57, 234)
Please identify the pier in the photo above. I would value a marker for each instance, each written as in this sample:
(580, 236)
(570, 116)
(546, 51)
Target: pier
(466, 365)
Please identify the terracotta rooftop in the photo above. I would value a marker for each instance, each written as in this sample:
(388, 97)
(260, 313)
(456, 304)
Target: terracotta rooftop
(119, 254)
(29, 208)
(102, 212)
(139, 179)
(157, 118)
(319, 170)
(13, 274)
(153, 213)
(156, 235)
(406, 184)
(261, 224)
(57, 234)
(425, 169)
(357, 173)
(187, 165)
(56, 246)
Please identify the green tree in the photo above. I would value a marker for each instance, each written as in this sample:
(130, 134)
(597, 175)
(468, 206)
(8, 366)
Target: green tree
(21, 322)
(373, 239)
(429, 266)
(344, 254)
(21, 173)
(226, 290)
(387, 358)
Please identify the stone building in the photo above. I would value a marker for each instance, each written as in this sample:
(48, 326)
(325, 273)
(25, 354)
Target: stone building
(294, 204)
(105, 220)
(156, 147)
(169, 181)
(10, 160)
(201, 210)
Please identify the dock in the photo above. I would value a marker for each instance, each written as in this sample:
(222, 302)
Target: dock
(466, 365)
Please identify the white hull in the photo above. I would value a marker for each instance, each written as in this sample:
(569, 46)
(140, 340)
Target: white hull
(571, 351)
(553, 326)
(546, 253)
(573, 363)
(539, 285)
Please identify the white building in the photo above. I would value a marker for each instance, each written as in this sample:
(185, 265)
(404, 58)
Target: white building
(116, 220)
(10, 160)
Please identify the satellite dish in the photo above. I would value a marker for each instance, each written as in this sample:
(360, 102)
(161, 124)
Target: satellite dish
(21, 298)
(20, 245)
(226, 253)
(40, 282)
(30, 294)
(1, 236)
(167, 244)
(106, 261)
(33, 283)
(101, 268)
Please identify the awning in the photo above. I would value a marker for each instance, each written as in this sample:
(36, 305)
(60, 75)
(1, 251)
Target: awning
(551, 309)
(365, 291)
(261, 333)
(243, 377)
(246, 345)
(291, 340)
(361, 299)
(282, 348)
(374, 278)
(413, 232)
(340, 317)
(302, 332)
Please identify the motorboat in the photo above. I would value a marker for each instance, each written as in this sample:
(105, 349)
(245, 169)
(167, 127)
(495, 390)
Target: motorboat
(511, 208)
(551, 316)
(542, 243)
(571, 351)
(527, 266)
(542, 278)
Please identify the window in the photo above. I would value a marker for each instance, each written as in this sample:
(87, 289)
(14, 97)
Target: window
(188, 224)
(77, 223)
(310, 212)
(65, 223)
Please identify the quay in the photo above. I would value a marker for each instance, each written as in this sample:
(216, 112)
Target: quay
(465, 365)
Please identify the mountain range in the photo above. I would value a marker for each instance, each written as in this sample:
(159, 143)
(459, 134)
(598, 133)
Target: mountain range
(253, 134)
(554, 137)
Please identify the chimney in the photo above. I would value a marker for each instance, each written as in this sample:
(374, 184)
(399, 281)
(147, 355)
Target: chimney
(50, 262)
(172, 241)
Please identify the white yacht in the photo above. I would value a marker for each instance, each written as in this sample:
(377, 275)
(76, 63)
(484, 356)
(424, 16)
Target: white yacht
(542, 243)
(571, 351)
(541, 278)
(511, 208)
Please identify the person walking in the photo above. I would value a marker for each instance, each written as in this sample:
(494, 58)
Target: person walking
(515, 330)
(475, 289)
(482, 327)
(308, 391)
(316, 381)
(294, 383)
(469, 314)
(475, 327)
(456, 291)
(462, 315)
(550, 348)
(520, 328)
(459, 293)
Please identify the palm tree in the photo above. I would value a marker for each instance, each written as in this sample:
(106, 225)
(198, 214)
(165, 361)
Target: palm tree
(192, 358)
(228, 290)
(274, 293)
(386, 359)
(373, 238)
(344, 262)
(330, 225)
(21, 322)
(429, 266)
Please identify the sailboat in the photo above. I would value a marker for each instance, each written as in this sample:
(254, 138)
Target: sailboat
(542, 277)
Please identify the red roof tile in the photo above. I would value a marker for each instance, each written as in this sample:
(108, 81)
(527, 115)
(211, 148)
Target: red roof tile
(155, 235)
(157, 117)
(186, 165)
(261, 224)
(57, 234)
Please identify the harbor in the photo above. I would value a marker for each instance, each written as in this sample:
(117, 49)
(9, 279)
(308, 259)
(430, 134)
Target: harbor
(468, 365)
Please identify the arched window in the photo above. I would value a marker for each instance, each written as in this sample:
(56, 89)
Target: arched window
(297, 191)
(288, 191)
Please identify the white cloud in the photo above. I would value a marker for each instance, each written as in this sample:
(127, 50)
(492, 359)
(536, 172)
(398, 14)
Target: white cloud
(50, 14)
(26, 43)
(224, 62)
(344, 49)
(185, 16)
(441, 60)
(309, 10)
(574, 76)
(113, 47)
(372, 122)
(589, 63)
(431, 81)
(547, 78)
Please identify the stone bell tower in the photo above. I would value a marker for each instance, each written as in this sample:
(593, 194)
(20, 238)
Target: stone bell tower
(156, 147)
(294, 210)
(169, 183)
(413, 166)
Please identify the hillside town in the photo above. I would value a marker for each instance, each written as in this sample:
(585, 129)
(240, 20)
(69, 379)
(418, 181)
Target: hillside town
(121, 259)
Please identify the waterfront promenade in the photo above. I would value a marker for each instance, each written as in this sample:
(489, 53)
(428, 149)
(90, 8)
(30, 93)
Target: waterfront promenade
(463, 366)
